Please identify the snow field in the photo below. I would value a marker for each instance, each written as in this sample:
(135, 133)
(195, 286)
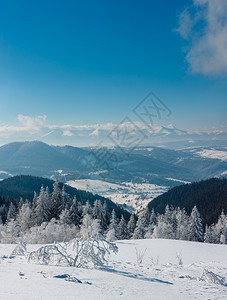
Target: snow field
(157, 276)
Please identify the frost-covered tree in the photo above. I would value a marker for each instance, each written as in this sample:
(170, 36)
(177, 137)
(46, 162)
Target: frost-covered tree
(146, 216)
(64, 217)
(21, 202)
(24, 217)
(41, 210)
(74, 212)
(65, 198)
(57, 204)
(182, 224)
(223, 237)
(89, 227)
(195, 226)
(113, 229)
(87, 210)
(12, 212)
(106, 215)
(153, 218)
(95, 210)
(163, 229)
(219, 227)
(10, 233)
(123, 229)
(207, 235)
(102, 216)
(140, 230)
(131, 225)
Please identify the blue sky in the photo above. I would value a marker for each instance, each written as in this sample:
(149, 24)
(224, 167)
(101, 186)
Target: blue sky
(91, 62)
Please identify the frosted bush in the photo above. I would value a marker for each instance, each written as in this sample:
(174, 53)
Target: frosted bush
(20, 249)
(76, 253)
(211, 277)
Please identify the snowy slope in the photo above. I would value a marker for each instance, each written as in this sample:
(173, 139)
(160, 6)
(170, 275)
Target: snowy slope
(135, 195)
(158, 277)
(214, 154)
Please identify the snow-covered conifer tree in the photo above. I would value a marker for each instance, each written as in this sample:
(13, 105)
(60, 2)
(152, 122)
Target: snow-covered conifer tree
(87, 210)
(64, 217)
(140, 230)
(219, 227)
(207, 235)
(12, 212)
(182, 220)
(146, 215)
(41, 212)
(123, 229)
(11, 232)
(24, 217)
(223, 237)
(95, 210)
(75, 212)
(65, 198)
(153, 218)
(131, 225)
(56, 201)
(195, 226)
(113, 229)
(89, 227)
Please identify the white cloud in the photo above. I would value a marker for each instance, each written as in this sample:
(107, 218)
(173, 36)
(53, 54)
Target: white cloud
(204, 26)
(67, 133)
(32, 122)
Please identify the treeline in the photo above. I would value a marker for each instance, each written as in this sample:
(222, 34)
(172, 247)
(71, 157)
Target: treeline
(210, 197)
(55, 217)
(12, 189)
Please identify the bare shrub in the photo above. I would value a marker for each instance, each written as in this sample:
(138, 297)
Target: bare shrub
(179, 259)
(140, 256)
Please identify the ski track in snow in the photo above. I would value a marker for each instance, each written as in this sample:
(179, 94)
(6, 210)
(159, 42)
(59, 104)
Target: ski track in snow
(158, 277)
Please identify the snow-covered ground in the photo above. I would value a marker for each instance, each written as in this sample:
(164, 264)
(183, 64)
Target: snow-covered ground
(136, 195)
(212, 153)
(178, 180)
(159, 276)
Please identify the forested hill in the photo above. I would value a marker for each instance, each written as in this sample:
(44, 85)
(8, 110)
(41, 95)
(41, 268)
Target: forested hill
(24, 186)
(210, 197)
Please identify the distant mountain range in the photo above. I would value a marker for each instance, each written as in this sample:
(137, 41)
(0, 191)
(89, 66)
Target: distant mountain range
(156, 135)
(210, 197)
(144, 164)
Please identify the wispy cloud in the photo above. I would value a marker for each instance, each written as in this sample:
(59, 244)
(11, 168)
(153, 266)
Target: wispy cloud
(204, 26)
